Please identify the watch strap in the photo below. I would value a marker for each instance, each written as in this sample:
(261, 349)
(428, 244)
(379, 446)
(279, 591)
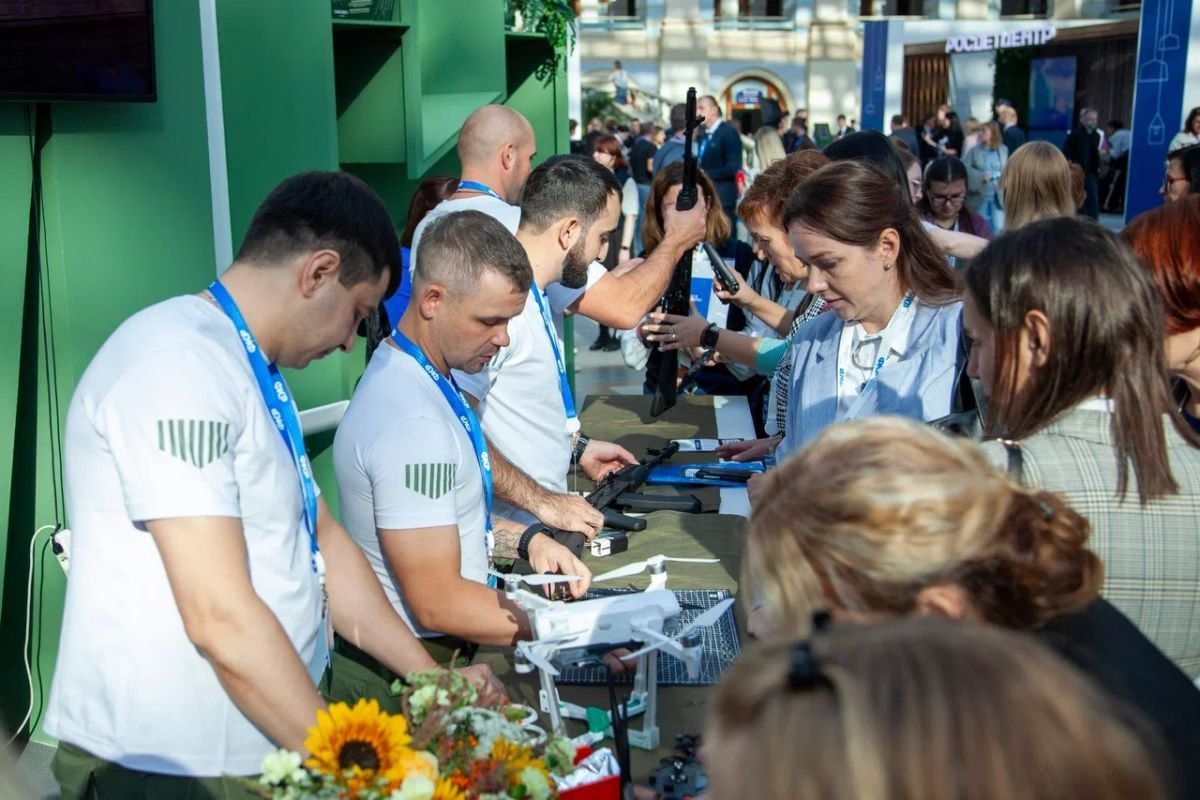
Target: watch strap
(708, 339)
(526, 537)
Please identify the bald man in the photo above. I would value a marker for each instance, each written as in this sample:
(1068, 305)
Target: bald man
(496, 147)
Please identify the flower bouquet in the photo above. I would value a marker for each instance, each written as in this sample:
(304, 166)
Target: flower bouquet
(441, 747)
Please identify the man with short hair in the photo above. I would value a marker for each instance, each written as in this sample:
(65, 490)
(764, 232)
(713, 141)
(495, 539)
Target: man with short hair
(641, 169)
(413, 467)
(720, 155)
(207, 574)
(1006, 115)
(672, 149)
(904, 133)
(844, 128)
(1082, 147)
(570, 207)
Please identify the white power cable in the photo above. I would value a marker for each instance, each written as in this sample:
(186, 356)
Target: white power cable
(28, 616)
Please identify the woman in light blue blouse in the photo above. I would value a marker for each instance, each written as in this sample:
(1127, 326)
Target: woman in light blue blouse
(890, 345)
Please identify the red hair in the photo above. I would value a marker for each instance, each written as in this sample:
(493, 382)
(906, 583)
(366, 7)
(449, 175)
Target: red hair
(609, 144)
(1167, 240)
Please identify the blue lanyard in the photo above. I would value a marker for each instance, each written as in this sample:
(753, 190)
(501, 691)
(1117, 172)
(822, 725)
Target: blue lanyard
(470, 423)
(703, 146)
(564, 387)
(476, 186)
(278, 397)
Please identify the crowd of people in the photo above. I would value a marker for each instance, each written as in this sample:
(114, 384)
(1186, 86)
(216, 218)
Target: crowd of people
(973, 572)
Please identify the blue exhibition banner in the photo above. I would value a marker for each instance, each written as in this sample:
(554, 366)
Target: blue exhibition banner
(874, 66)
(1157, 98)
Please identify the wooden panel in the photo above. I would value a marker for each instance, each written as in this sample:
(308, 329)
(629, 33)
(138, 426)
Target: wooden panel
(926, 85)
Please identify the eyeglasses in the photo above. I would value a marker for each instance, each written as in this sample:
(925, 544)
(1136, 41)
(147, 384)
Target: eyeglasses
(1170, 180)
(947, 199)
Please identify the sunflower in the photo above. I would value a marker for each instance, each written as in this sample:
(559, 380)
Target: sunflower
(512, 755)
(364, 742)
(446, 790)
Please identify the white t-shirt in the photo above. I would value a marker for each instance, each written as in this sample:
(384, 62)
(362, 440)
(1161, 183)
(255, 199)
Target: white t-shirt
(168, 421)
(520, 404)
(403, 461)
(562, 298)
(509, 216)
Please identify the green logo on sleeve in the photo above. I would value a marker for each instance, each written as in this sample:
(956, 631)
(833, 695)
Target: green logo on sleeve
(197, 442)
(431, 480)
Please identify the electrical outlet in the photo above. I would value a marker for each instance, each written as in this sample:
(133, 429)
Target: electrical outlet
(60, 542)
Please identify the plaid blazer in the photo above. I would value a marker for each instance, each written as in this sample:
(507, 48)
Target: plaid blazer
(1151, 553)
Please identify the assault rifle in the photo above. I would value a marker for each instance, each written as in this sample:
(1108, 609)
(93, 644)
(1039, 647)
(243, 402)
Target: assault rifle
(679, 291)
(618, 493)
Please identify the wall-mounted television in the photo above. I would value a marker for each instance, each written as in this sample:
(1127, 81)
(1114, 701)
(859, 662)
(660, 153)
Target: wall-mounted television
(100, 50)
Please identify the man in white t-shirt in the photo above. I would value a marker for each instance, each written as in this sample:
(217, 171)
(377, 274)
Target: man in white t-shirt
(412, 464)
(569, 209)
(205, 568)
(496, 147)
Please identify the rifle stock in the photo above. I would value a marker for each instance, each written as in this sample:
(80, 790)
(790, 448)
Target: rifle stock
(679, 291)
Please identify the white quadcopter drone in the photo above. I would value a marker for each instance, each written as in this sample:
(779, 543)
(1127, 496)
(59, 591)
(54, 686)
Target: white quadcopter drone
(567, 633)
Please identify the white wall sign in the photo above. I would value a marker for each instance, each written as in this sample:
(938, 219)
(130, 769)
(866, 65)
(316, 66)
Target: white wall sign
(997, 41)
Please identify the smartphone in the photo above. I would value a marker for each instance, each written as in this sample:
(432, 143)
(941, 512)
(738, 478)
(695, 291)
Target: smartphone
(725, 275)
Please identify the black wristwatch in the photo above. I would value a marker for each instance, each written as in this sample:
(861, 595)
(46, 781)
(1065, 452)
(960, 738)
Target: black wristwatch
(526, 537)
(581, 443)
(708, 339)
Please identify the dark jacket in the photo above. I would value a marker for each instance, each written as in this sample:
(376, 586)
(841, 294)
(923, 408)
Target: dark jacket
(1105, 645)
(1083, 148)
(722, 160)
(1014, 137)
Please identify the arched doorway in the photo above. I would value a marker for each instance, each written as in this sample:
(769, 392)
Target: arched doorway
(744, 95)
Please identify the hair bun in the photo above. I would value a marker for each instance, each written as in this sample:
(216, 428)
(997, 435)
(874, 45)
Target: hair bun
(1045, 550)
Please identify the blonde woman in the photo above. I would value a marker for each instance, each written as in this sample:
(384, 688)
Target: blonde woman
(884, 518)
(923, 709)
(768, 147)
(1036, 184)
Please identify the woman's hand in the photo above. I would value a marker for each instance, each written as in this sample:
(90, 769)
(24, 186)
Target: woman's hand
(744, 297)
(752, 450)
(672, 331)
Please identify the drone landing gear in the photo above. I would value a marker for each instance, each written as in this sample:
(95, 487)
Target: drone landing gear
(643, 700)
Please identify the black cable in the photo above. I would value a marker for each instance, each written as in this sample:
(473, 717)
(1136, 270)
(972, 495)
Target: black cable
(620, 729)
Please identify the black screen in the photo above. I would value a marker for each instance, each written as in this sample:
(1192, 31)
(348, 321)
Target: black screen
(77, 50)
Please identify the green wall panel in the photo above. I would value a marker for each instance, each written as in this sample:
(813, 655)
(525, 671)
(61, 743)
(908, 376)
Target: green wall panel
(14, 222)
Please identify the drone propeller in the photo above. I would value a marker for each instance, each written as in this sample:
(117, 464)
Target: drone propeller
(537, 579)
(639, 566)
(706, 619)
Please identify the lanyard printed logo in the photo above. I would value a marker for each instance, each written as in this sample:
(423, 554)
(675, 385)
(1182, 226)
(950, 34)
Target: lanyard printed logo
(902, 315)
(275, 393)
(564, 387)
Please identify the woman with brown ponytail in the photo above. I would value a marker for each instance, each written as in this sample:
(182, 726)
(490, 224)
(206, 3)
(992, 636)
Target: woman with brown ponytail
(884, 517)
(1068, 332)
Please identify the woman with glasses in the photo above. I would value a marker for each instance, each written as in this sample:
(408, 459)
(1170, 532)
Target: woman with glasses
(945, 196)
(882, 519)
(891, 343)
(1183, 174)
(1036, 184)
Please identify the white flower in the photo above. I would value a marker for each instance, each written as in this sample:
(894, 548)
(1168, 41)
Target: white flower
(280, 766)
(415, 787)
(536, 786)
